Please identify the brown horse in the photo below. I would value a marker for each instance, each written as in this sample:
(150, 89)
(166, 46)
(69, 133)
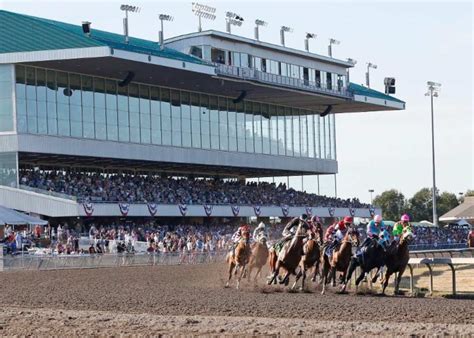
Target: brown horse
(239, 258)
(310, 259)
(396, 261)
(289, 256)
(340, 259)
(259, 257)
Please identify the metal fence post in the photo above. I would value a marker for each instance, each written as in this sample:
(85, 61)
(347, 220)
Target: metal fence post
(454, 278)
(431, 277)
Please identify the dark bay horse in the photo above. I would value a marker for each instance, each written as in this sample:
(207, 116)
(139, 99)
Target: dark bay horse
(396, 261)
(259, 257)
(372, 258)
(289, 256)
(310, 259)
(239, 258)
(340, 259)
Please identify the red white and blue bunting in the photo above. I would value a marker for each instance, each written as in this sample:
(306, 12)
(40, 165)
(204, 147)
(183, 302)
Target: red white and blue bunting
(124, 208)
(309, 211)
(88, 208)
(285, 210)
(183, 209)
(372, 211)
(152, 208)
(331, 211)
(257, 210)
(207, 209)
(235, 210)
(352, 211)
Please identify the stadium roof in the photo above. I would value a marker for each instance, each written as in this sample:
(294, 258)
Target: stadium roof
(463, 211)
(12, 217)
(36, 34)
(364, 91)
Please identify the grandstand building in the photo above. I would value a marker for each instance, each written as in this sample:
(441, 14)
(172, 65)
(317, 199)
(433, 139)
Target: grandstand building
(207, 104)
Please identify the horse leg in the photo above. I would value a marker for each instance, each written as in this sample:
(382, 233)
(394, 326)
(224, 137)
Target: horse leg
(286, 279)
(275, 272)
(258, 273)
(374, 279)
(231, 268)
(316, 271)
(352, 267)
(399, 278)
(303, 280)
(333, 276)
(250, 271)
(298, 276)
(385, 281)
(242, 274)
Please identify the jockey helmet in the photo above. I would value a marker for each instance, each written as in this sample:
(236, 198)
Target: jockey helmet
(303, 217)
(261, 225)
(377, 218)
(245, 227)
(348, 219)
(405, 218)
(315, 219)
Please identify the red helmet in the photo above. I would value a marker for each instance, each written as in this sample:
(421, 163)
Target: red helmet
(342, 226)
(348, 219)
(245, 227)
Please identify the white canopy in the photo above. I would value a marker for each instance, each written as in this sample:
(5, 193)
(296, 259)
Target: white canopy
(12, 217)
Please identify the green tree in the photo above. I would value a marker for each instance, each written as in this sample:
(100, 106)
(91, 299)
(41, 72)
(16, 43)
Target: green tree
(421, 205)
(468, 193)
(392, 202)
(445, 202)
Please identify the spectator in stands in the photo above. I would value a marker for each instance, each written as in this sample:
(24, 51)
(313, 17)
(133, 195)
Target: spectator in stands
(470, 238)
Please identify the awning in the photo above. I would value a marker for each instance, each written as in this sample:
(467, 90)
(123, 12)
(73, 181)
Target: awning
(12, 217)
(463, 211)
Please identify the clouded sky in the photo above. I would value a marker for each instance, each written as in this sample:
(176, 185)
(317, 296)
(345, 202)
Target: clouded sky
(414, 42)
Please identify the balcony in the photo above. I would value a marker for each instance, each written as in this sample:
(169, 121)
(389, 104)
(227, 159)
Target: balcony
(281, 81)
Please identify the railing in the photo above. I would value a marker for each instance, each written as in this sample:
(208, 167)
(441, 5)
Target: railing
(87, 261)
(275, 79)
(437, 247)
(47, 192)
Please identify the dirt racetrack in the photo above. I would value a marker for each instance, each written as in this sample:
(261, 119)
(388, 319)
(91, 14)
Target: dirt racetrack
(191, 299)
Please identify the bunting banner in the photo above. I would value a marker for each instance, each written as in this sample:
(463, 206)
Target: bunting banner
(309, 211)
(183, 209)
(88, 208)
(235, 210)
(372, 211)
(152, 208)
(285, 210)
(331, 211)
(352, 211)
(208, 209)
(257, 210)
(124, 208)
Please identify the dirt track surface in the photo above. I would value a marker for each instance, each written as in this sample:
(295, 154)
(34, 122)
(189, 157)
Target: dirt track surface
(192, 299)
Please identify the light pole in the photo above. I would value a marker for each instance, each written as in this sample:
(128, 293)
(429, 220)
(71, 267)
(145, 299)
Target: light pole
(367, 75)
(371, 191)
(433, 90)
(332, 42)
(306, 41)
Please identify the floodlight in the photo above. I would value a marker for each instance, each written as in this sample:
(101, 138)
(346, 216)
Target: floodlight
(354, 62)
(126, 9)
(306, 41)
(367, 75)
(311, 36)
(203, 11)
(284, 29)
(166, 17)
(332, 42)
(371, 65)
(434, 84)
(233, 19)
(258, 23)
(163, 17)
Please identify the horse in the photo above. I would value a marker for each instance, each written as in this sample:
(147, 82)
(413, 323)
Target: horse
(310, 259)
(396, 261)
(340, 259)
(239, 258)
(373, 257)
(289, 256)
(258, 257)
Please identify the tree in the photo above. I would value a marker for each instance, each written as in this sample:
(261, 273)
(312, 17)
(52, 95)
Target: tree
(392, 202)
(468, 193)
(445, 202)
(421, 205)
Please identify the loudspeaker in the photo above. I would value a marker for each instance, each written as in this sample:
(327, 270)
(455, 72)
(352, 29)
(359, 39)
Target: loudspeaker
(326, 111)
(239, 98)
(127, 80)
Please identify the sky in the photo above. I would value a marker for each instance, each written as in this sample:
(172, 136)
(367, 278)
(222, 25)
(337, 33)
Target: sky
(414, 42)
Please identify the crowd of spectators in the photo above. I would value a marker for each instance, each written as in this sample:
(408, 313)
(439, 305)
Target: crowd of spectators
(161, 189)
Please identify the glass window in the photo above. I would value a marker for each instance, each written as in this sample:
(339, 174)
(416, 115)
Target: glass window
(284, 69)
(236, 59)
(296, 133)
(232, 125)
(217, 55)
(111, 106)
(88, 124)
(196, 51)
(8, 171)
(134, 112)
(145, 120)
(240, 127)
(322, 136)
(123, 118)
(264, 65)
(76, 105)
(265, 129)
(317, 138)
(214, 122)
(303, 134)
(273, 129)
(281, 131)
(155, 106)
(249, 131)
(289, 132)
(64, 92)
(41, 108)
(51, 102)
(99, 109)
(205, 122)
(223, 124)
(311, 136)
(318, 79)
(244, 60)
(257, 127)
(196, 121)
(185, 119)
(176, 117)
(329, 81)
(31, 100)
(257, 63)
(22, 126)
(295, 71)
(165, 116)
